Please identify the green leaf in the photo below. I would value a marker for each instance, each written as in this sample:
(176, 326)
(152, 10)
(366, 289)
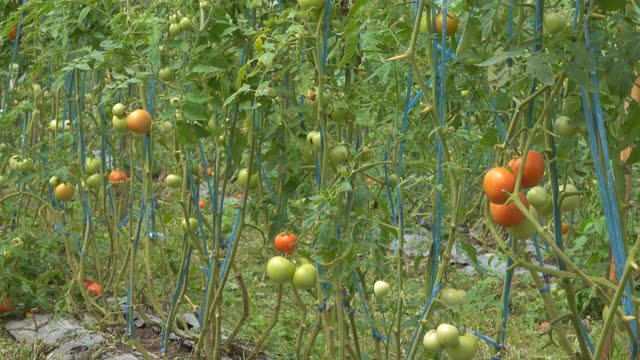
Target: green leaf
(577, 74)
(197, 97)
(190, 133)
(238, 146)
(205, 69)
(195, 111)
(619, 76)
(503, 57)
(538, 66)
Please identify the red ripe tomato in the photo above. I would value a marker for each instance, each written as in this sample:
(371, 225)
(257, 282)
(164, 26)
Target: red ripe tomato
(496, 180)
(239, 196)
(117, 177)
(285, 242)
(94, 289)
(533, 169)
(139, 121)
(5, 305)
(13, 33)
(201, 204)
(508, 215)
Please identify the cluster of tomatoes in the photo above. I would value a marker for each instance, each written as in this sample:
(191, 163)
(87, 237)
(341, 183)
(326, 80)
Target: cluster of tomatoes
(282, 270)
(138, 121)
(459, 345)
(500, 182)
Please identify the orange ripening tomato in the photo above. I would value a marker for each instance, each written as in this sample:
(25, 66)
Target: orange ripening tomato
(239, 196)
(139, 121)
(369, 180)
(452, 23)
(13, 33)
(94, 289)
(533, 169)
(285, 242)
(508, 215)
(565, 228)
(117, 177)
(201, 204)
(5, 305)
(496, 180)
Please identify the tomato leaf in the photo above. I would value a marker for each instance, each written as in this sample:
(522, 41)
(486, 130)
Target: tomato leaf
(538, 66)
(503, 57)
(189, 133)
(579, 75)
(619, 76)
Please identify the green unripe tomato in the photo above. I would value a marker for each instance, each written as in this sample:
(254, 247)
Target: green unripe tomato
(554, 22)
(311, 4)
(26, 166)
(315, 140)
(563, 126)
(366, 154)
(95, 181)
(243, 178)
(119, 110)
(342, 115)
(423, 24)
(466, 349)
(452, 297)
(93, 166)
(185, 24)
(526, 228)
(173, 181)
(174, 30)
(193, 225)
(166, 74)
(280, 270)
(393, 181)
(120, 124)
(448, 335)
(305, 276)
(54, 181)
(537, 196)
(568, 203)
(381, 288)
(339, 154)
(431, 342)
